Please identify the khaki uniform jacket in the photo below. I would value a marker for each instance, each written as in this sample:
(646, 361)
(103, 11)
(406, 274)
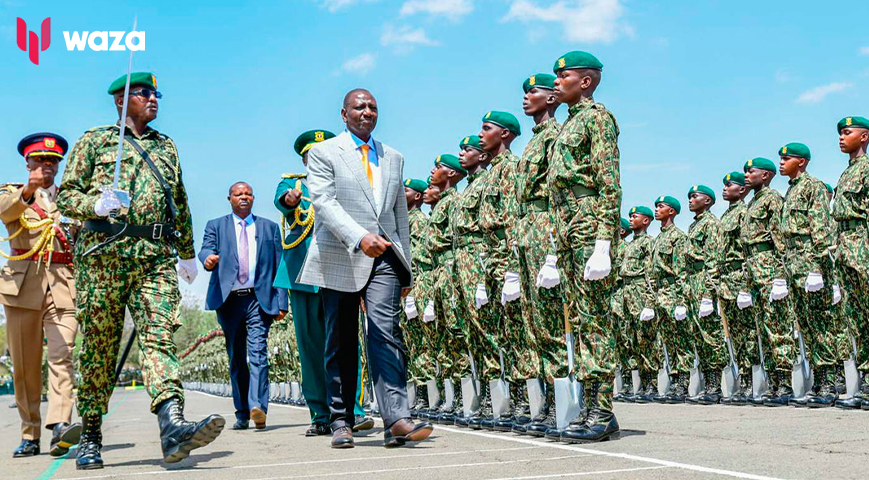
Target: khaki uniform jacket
(23, 283)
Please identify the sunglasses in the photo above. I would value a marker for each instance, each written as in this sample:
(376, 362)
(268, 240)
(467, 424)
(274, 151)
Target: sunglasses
(146, 93)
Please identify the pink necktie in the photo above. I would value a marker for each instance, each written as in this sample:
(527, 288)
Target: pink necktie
(243, 266)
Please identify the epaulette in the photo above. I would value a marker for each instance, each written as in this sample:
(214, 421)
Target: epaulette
(101, 128)
(294, 175)
(10, 188)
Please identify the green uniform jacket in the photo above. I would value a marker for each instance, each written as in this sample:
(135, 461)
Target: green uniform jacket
(292, 259)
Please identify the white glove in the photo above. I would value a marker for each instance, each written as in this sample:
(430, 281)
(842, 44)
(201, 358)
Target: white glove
(511, 289)
(410, 307)
(481, 297)
(743, 300)
(548, 276)
(647, 314)
(107, 203)
(187, 270)
(837, 294)
(706, 307)
(598, 265)
(779, 289)
(814, 282)
(680, 313)
(428, 315)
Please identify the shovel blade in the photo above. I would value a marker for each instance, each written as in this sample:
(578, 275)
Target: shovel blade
(295, 391)
(568, 401)
(852, 378)
(449, 394)
(800, 383)
(434, 394)
(500, 396)
(272, 392)
(411, 393)
(619, 383)
(759, 381)
(470, 396)
(729, 381)
(284, 391)
(696, 383)
(535, 395)
(663, 382)
(636, 383)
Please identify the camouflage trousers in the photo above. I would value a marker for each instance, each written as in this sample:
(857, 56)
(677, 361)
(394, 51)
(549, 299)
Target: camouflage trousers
(148, 287)
(853, 267)
(449, 344)
(588, 301)
(420, 361)
(826, 334)
(481, 326)
(708, 331)
(774, 317)
(640, 338)
(743, 336)
(624, 333)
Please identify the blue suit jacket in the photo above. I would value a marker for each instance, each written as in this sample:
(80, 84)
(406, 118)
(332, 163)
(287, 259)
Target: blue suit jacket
(220, 240)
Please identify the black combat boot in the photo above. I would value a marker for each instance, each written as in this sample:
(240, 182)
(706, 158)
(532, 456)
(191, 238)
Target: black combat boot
(91, 442)
(546, 418)
(678, 391)
(178, 436)
(826, 396)
(712, 394)
(485, 411)
(421, 401)
(600, 425)
(63, 436)
(781, 397)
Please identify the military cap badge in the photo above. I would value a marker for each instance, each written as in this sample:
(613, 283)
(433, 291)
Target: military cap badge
(532, 80)
(784, 150)
(154, 80)
(848, 121)
(561, 62)
(751, 162)
(319, 136)
(489, 114)
(467, 139)
(727, 177)
(49, 142)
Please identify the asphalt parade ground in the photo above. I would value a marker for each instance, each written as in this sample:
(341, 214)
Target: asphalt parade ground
(658, 442)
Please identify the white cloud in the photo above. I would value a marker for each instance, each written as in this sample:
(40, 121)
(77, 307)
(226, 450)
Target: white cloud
(452, 9)
(359, 65)
(404, 39)
(582, 20)
(864, 51)
(818, 94)
(336, 5)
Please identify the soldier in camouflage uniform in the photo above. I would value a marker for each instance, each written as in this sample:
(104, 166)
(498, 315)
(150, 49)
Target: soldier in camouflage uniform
(418, 357)
(135, 271)
(734, 298)
(625, 338)
(806, 224)
(669, 274)
(586, 197)
(765, 249)
(702, 283)
(851, 213)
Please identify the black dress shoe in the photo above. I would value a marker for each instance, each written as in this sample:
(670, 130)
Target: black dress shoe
(317, 429)
(63, 436)
(404, 431)
(28, 448)
(360, 424)
(601, 425)
(88, 455)
(178, 436)
(342, 437)
(241, 425)
(541, 423)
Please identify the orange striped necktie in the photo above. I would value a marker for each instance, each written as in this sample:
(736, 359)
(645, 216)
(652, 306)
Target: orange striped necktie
(366, 165)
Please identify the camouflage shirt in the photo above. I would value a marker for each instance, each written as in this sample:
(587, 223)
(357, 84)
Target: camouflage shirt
(418, 222)
(440, 235)
(466, 212)
(586, 154)
(92, 165)
(636, 263)
(852, 192)
(498, 206)
(762, 222)
(703, 237)
(531, 176)
(806, 224)
(731, 253)
(668, 269)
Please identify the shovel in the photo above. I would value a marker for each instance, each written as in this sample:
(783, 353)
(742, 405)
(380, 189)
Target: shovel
(852, 375)
(434, 394)
(619, 382)
(295, 392)
(801, 375)
(499, 391)
(411, 394)
(568, 391)
(636, 382)
(759, 378)
(471, 390)
(536, 397)
(664, 372)
(449, 395)
(730, 373)
(696, 382)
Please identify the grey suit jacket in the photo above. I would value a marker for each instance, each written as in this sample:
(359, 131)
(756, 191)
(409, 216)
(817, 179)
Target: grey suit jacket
(346, 211)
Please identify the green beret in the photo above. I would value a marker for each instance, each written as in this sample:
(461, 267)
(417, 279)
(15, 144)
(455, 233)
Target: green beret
(451, 161)
(702, 189)
(504, 120)
(415, 184)
(829, 188)
(625, 224)
(735, 177)
(859, 122)
(643, 210)
(577, 59)
(761, 163)
(795, 149)
(472, 141)
(540, 80)
(147, 79)
(671, 201)
(305, 141)
(428, 180)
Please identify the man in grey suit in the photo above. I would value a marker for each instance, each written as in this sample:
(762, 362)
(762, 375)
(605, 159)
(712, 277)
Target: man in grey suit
(361, 250)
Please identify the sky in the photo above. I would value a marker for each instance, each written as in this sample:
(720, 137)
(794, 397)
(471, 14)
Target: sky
(697, 88)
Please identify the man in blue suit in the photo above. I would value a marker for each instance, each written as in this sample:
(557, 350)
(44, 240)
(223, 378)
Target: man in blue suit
(244, 251)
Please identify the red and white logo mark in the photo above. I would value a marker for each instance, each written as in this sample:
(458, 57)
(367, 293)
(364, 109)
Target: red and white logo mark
(35, 46)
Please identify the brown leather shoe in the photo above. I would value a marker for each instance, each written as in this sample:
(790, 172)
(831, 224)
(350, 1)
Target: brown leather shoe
(404, 431)
(342, 437)
(259, 418)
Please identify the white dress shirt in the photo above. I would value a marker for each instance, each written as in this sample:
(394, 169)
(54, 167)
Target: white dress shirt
(251, 251)
(374, 162)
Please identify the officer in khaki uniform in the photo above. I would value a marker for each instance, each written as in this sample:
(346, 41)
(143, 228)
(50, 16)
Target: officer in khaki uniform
(37, 291)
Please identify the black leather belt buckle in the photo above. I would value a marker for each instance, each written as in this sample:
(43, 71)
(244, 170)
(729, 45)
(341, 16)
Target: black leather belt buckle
(242, 292)
(157, 232)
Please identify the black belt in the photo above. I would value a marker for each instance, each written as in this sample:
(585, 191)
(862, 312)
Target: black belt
(633, 280)
(731, 266)
(424, 267)
(242, 292)
(696, 266)
(539, 205)
(578, 191)
(798, 240)
(154, 231)
(848, 225)
(669, 280)
(760, 247)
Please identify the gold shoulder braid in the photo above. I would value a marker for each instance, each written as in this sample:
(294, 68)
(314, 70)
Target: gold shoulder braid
(44, 244)
(303, 216)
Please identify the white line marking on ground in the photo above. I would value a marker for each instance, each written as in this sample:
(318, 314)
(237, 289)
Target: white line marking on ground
(579, 474)
(573, 448)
